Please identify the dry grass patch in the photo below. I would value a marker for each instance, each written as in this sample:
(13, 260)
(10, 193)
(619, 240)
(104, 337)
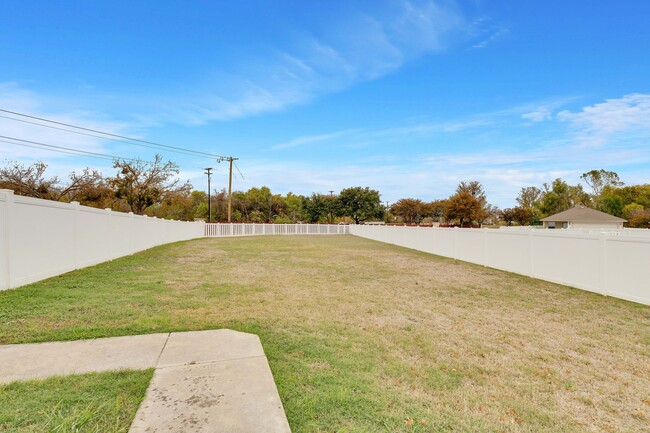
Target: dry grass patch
(364, 336)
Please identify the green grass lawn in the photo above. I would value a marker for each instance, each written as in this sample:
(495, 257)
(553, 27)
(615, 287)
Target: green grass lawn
(368, 337)
(94, 402)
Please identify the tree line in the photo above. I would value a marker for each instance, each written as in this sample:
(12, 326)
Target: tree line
(152, 188)
(607, 193)
(468, 206)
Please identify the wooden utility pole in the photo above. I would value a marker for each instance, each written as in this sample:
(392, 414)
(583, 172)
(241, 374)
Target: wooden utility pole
(208, 171)
(230, 159)
(230, 191)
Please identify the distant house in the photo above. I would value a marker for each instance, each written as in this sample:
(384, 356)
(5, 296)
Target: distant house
(583, 218)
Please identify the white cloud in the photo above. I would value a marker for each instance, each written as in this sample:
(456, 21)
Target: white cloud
(596, 124)
(360, 137)
(309, 139)
(540, 115)
(360, 47)
(498, 34)
(501, 163)
(362, 44)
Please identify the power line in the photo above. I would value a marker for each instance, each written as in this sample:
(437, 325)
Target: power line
(240, 173)
(42, 148)
(191, 153)
(67, 150)
(136, 140)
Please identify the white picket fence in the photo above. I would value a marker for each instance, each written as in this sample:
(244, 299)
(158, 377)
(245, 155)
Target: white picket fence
(605, 263)
(43, 238)
(218, 230)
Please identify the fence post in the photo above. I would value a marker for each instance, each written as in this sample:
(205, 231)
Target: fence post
(75, 233)
(8, 211)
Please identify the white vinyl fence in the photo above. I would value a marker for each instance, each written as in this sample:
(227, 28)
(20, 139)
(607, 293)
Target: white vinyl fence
(612, 264)
(218, 230)
(43, 238)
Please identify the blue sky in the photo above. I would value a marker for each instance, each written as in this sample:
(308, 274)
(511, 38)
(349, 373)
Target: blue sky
(407, 97)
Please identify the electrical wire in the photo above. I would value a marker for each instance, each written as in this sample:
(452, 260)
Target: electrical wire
(191, 153)
(44, 148)
(67, 150)
(122, 137)
(78, 152)
(242, 174)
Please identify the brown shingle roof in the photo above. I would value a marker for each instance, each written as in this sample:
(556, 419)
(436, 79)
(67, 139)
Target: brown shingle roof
(584, 214)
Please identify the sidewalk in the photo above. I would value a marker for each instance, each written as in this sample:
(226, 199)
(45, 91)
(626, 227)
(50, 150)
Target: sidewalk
(205, 381)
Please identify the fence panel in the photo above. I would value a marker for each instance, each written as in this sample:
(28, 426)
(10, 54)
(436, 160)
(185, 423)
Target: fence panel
(567, 258)
(93, 241)
(627, 261)
(43, 238)
(613, 264)
(518, 243)
(41, 249)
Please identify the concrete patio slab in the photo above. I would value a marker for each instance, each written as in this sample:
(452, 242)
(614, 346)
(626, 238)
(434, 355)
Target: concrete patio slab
(42, 360)
(198, 347)
(237, 396)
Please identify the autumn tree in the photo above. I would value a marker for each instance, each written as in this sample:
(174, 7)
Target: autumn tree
(410, 210)
(177, 205)
(142, 184)
(29, 180)
(508, 215)
(522, 216)
(468, 205)
(87, 187)
(359, 203)
(639, 218)
(436, 209)
(465, 208)
(474, 188)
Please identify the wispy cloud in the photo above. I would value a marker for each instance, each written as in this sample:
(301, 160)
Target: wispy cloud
(544, 110)
(309, 139)
(596, 124)
(496, 35)
(540, 115)
(363, 46)
(485, 31)
(479, 122)
(509, 158)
